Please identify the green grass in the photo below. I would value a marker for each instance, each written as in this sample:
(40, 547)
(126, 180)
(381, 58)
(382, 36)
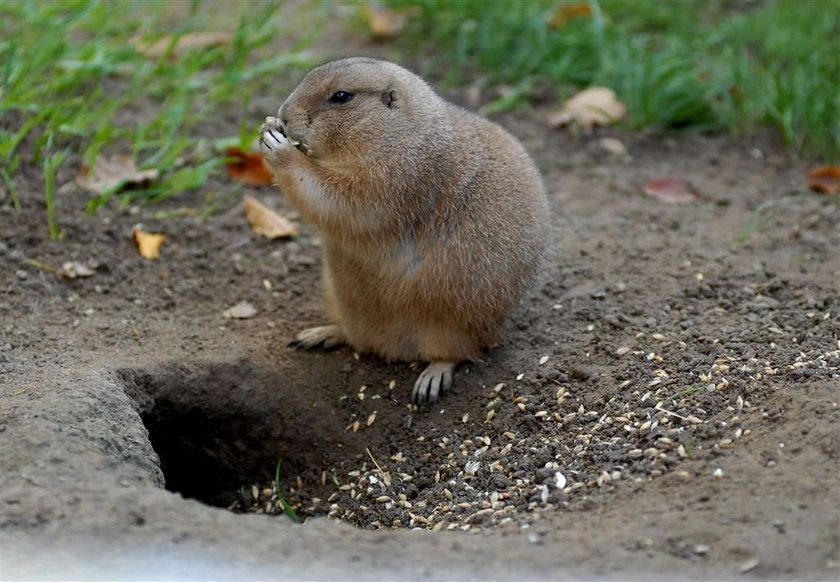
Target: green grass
(680, 394)
(51, 165)
(712, 64)
(287, 509)
(73, 86)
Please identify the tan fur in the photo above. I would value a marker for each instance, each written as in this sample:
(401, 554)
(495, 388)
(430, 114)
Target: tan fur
(433, 218)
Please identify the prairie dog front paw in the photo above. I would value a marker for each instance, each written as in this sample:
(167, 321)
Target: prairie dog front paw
(272, 138)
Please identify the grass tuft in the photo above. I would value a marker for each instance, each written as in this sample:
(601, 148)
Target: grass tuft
(288, 509)
(90, 90)
(712, 64)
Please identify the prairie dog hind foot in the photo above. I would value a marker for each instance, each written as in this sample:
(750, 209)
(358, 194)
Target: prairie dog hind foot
(327, 337)
(433, 382)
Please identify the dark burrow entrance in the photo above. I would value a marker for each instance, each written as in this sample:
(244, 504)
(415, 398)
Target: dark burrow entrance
(218, 428)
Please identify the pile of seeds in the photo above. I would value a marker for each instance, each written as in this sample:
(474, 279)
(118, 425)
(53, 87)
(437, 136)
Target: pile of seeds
(551, 437)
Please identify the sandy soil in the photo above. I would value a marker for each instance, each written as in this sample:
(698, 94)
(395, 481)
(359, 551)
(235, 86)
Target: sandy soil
(664, 405)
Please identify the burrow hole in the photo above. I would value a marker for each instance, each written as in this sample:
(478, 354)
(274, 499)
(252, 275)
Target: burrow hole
(219, 428)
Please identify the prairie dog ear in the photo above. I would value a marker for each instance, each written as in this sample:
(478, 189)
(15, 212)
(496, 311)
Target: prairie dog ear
(389, 98)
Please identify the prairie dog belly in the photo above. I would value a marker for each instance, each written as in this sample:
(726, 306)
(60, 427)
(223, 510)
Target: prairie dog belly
(389, 300)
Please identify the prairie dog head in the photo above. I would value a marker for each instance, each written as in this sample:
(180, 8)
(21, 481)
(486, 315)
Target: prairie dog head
(358, 107)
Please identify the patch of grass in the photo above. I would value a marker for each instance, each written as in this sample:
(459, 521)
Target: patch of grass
(680, 394)
(714, 64)
(51, 165)
(762, 216)
(288, 509)
(72, 79)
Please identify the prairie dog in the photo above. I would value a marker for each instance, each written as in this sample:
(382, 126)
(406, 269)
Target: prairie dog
(434, 219)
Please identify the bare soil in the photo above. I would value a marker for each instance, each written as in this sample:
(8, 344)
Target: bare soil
(665, 404)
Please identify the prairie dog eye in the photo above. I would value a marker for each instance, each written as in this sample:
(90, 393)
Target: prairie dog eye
(340, 97)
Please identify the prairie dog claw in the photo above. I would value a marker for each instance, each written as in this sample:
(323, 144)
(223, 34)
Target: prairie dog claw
(433, 382)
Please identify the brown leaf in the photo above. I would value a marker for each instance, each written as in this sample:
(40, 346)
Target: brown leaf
(189, 41)
(242, 310)
(567, 12)
(591, 107)
(265, 222)
(825, 179)
(385, 23)
(249, 167)
(114, 173)
(672, 191)
(148, 244)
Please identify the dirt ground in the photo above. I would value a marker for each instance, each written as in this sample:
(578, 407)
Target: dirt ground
(665, 404)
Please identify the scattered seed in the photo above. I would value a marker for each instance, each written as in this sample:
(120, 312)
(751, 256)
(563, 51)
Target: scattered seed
(750, 564)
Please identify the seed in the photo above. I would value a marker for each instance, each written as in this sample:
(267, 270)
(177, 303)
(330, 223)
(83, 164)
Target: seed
(498, 387)
(622, 350)
(645, 425)
(635, 453)
(718, 473)
(541, 414)
(543, 360)
(371, 418)
(694, 420)
(658, 336)
(490, 414)
(465, 418)
(681, 451)
(383, 499)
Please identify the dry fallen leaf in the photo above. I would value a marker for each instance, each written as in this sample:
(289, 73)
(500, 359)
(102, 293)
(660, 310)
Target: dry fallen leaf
(148, 243)
(113, 173)
(567, 12)
(242, 310)
(385, 23)
(590, 107)
(613, 146)
(249, 168)
(183, 44)
(672, 191)
(825, 179)
(74, 270)
(265, 222)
